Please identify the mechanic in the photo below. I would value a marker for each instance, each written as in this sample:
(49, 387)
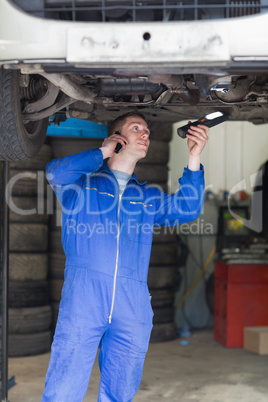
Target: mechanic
(105, 299)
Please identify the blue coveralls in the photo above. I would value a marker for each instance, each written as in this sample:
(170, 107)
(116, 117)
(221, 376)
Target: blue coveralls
(105, 300)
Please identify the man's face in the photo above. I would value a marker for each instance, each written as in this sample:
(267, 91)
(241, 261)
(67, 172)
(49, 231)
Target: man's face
(136, 131)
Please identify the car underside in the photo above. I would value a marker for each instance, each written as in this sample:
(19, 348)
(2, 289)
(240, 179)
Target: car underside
(95, 60)
(161, 97)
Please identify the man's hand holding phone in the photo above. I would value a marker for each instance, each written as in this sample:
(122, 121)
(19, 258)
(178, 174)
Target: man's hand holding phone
(113, 144)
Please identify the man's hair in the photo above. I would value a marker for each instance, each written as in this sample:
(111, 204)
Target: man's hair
(117, 124)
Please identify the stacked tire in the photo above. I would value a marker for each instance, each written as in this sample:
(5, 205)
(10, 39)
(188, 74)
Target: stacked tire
(162, 280)
(29, 309)
(162, 275)
(162, 271)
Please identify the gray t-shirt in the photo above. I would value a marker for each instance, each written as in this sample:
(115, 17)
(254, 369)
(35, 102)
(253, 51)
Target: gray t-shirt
(122, 179)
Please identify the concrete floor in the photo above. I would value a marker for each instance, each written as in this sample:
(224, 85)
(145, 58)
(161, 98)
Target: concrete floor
(202, 371)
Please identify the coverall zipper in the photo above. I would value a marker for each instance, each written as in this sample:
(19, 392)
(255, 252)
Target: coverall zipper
(117, 251)
(116, 261)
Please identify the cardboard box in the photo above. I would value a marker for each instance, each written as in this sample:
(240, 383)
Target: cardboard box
(256, 339)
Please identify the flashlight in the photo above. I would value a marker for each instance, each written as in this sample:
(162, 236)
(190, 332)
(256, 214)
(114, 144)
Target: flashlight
(210, 120)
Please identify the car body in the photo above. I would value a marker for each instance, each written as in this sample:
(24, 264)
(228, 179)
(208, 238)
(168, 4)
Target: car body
(96, 59)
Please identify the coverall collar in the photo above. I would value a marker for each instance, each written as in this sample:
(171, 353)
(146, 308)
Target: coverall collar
(105, 168)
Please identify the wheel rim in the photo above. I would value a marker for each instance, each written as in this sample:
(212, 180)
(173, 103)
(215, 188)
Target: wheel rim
(32, 128)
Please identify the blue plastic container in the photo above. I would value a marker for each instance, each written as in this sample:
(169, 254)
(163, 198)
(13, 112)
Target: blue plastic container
(78, 128)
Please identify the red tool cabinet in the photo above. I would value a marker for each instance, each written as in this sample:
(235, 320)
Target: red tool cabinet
(240, 300)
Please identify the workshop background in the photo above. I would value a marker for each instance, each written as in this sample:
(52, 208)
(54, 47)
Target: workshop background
(233, 155)
(181, 275)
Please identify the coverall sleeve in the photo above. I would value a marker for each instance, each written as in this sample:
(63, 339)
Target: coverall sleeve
(186, 204)
(66, 173)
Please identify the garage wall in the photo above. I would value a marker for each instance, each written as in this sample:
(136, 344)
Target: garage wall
(235, 151)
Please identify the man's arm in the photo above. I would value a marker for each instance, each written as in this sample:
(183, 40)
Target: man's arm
(187, 203)
(183, 206)
(65, 175)
(197, 139)
(64, 171)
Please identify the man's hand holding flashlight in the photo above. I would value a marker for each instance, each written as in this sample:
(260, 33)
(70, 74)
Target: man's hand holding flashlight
(196, 140)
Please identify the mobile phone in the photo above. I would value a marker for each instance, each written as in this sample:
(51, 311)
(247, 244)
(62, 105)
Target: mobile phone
(119, 146)
(210, 120)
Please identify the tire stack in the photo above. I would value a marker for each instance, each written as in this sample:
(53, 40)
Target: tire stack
(162, 279)
(162, 275)
(162, 271)
(28, 303)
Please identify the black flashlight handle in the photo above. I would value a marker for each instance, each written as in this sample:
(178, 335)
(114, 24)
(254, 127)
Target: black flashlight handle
(182, 131)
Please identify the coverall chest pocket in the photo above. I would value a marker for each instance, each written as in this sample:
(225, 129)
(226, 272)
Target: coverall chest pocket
(99, 202)
(137, 221)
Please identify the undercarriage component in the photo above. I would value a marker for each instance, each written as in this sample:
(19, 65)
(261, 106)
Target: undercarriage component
(69, 87)
(61, 104)
(207, 83)
(238, 93)
(247, 89)
(45, 101)
(177, 85)
(82, 95)
(128, 86)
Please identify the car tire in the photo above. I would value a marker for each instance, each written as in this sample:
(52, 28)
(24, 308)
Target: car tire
(164, 254)
(163, 332)
(29, 344)
(29, 206)
(162, 297)
(56, 265)
(55, 312)
(28, 320)
(163, 315)
(24, 183)
(38, 162)
(29, 266)
(18, 140)
(161, 277)
(55, 288)
(26, 237)
(28, 294)
(152, 173)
